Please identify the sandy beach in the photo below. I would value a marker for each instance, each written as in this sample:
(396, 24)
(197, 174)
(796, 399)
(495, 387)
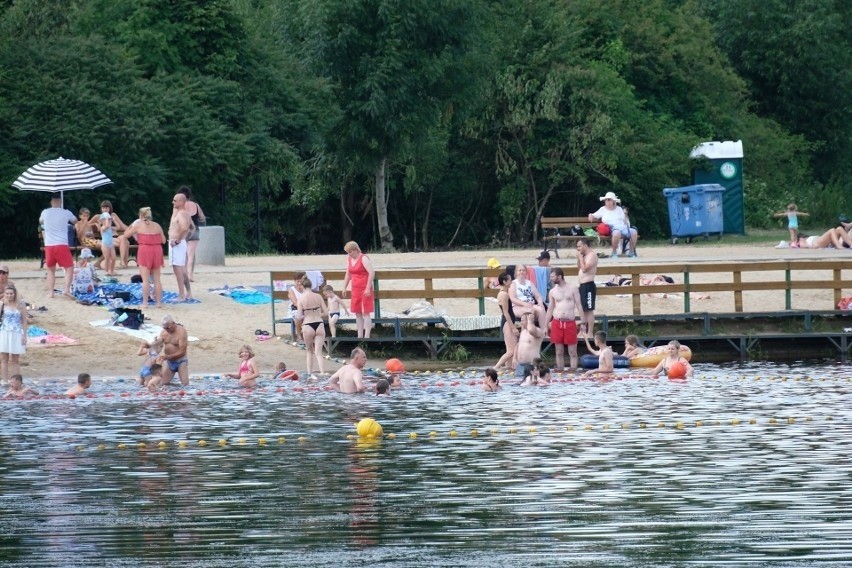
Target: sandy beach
(223, 325)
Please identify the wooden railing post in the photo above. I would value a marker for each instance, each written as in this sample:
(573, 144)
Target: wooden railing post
(788, 292)
(686, 297)
(428, 287)
(838, 288)
(738, 291)
(481, 286)
(378, 307)
(637, 296)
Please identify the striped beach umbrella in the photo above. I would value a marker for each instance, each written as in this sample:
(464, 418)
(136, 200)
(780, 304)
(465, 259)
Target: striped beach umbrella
(60, 175)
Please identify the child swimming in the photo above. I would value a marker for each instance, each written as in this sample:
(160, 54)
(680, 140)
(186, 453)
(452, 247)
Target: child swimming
(632, 346)
(17, 388)
(151, 351)
(248, 373)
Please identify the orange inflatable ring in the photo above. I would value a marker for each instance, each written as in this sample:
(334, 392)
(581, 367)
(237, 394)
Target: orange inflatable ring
(654, 355)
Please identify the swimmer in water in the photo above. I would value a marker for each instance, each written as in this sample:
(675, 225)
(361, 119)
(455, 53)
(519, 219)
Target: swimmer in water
(603, 352)
(632, 346)
(382, 387)
(151, 351)
(17, 388)
(247, 373)
(84, 381)
(349, 378)
(490, 381)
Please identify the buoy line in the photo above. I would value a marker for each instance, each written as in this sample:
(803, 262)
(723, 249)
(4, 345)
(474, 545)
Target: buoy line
(369, 429)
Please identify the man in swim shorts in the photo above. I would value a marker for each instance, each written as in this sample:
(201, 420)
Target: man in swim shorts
(175, 339)
(179, 229)
(587, 263)
(564, 303)
(349, 378)
(54, 221)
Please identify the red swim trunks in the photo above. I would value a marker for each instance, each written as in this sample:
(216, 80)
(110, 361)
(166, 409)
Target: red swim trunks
(563, 332)
(58, 254)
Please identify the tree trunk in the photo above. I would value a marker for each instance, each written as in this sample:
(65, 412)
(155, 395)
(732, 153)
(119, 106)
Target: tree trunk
(346, 205)
(424, 230)
(382, 208)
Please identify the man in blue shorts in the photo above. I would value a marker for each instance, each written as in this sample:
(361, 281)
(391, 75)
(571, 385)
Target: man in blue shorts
(175, 339)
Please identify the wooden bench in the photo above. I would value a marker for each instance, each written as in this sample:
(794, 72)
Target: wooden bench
(75, 250)
(553, 227)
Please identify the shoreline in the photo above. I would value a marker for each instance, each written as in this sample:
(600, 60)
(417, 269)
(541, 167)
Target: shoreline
(223, 326)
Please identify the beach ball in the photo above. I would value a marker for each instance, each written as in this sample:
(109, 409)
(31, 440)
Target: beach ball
(677, 370)
(369, 427)
(394, 366)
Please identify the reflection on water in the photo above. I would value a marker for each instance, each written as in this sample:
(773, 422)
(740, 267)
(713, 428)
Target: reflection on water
(625, 472)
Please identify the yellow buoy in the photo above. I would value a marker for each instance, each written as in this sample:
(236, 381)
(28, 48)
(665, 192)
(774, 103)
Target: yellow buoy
(453, 434)
(433, 434)
(162, 445)
(121, 446)
(282, 440)
(261, 441)
(202, 443)
(413, 435)
(223, 442)
(369, 427)
(101, 447)
(391, 436)
(182, 444)
(302, 439)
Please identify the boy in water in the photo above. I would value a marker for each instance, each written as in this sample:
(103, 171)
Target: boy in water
(382, 387)
(17, 388)
(84, 381)
(334, 308)
(604, 353)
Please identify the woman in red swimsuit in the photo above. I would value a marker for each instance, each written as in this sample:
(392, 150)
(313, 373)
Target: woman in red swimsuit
(150, 237)
(359, 271)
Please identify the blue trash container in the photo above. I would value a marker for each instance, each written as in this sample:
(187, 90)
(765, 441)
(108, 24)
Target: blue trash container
(695, 210)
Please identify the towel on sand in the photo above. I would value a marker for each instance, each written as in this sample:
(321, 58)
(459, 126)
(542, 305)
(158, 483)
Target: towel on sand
(148, 332)
(102, 294)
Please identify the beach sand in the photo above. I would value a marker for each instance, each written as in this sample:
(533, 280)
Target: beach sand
(222, 325)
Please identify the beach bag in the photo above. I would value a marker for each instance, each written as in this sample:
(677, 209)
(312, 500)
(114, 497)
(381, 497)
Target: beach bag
(576, 231)
(130, 318)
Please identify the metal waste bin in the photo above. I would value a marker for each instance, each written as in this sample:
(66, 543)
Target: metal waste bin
(695, 210)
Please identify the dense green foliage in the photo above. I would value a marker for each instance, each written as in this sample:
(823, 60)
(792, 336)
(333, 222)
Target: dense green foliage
(301, 124)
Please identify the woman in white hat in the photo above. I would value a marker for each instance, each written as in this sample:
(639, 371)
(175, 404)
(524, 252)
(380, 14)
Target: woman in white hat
(613, 215)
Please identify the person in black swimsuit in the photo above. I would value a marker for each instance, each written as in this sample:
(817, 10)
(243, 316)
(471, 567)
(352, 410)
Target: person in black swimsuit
(507, 322)
(312, 307)
(490, 382)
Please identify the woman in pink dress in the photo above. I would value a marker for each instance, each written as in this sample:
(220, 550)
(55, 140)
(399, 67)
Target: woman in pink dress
(149, 257)
(359, 271)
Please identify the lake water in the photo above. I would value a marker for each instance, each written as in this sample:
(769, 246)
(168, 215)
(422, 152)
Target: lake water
(741, 465)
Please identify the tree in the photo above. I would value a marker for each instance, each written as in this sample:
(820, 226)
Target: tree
(394, 66)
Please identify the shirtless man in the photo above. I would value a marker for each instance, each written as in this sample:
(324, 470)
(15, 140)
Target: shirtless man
(604, 354)
(563, 302)
(529, 345)
(587, 263)
(84, 381)
(174, 352)
(180, 228)
(349, 379)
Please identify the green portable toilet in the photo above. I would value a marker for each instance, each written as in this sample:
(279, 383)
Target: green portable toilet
(726, 169)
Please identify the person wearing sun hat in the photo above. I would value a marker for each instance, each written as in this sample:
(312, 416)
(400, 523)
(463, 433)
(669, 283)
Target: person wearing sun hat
(4, 276)
(83, 281)
(612, 217)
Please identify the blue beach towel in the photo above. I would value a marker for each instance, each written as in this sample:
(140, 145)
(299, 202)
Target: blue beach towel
(102, 295)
